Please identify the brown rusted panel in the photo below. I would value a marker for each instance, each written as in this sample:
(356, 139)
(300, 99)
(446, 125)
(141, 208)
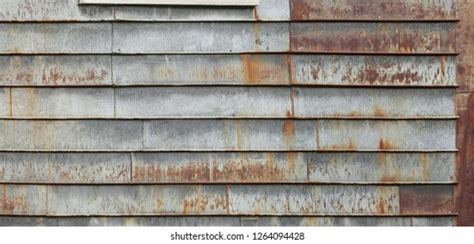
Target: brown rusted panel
(465, 160)
(372, 9)
(402, 38)
(465, 40)
(427, 200)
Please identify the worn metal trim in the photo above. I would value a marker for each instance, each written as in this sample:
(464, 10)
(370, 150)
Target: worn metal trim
(175, 2)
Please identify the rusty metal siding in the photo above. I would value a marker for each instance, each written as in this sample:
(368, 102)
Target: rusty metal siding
(293, 113)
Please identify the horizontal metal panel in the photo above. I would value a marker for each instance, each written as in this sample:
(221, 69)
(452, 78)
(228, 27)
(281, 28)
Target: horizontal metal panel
(421, 200)
(22, 200)
(5, 109)
(70, 135)
(381, 167)
(201, 69)
(387, 135)
(373, 9)
(267, 69)
(50, 38)
(373, 37)
(137, 200)
(314, 199)
(229, 135)
(373, 70)
(60, 168)
(266, 10)
(225, 221)
(51, 10)
(202, 102)
(55, 70)
(61, 102)
(200, 37)
(380, 103)
(218, 167)
(174, 2)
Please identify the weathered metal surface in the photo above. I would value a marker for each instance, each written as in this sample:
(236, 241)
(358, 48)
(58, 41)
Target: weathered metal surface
(373, 70)
(464, 40)
(465, 159)
(229, 135)
(55, 70)
(22, 200)
(50, 38)
(218, 167)
(201, 70)
(200, 37)
(51, 10)
(202, 102)
(368, 103)
(224, 221)
(314, 199)
(266, 10)
(4, 99)
(137, 200)
(251, 69)
(69, 168)
(427, 200)
(70, 135)
(235, 3)
(381, 167)
(386, 135)
(60, 102)
(373, 37)
(373, 10)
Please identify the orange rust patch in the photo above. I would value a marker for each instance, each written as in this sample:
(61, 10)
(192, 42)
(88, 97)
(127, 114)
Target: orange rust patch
(386, 145)
(379, 112)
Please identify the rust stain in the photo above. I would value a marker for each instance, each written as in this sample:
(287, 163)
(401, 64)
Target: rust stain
(10, 102)
(257, 70)
(288, 132)
(427, 199)
(386, 144)
(379, 112)
(190, 172)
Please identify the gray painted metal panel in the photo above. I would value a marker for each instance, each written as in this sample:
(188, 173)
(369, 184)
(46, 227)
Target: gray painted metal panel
(374, 70)
(22, 199)
(5, 100)
(225, 221)
(381, 167)
(55, 70)
(229, 135)
(347, 37)
(70, 168)
(387, 135)
(202, 102)
(52, 10)
(70, 135)
(219, 167)
(62, 103)
(137, 200)
(201, 69)
(50, 38)
(381, 103)
(273, 10)
(314, 199)
(200, 37)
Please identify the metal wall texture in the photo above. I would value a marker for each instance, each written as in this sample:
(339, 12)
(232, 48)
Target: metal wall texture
(293, 113)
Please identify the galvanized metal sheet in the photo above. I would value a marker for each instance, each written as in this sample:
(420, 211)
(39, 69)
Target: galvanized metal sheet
(229, 135)
(201, 69)
(200, 37)
(42, 38)
(375, 168)
(137, 200)
(387, 135)
(373, 10)
(373, 70)
(373, 37)
(368, 103)
(218, 167)
(433, 221)
(427, 200)
(4, 100)
(204, 102)
(326, 221)
(61, 102)
(70, 135)
(314, 199)
(22, 200)
(55, 70)
(51, 10)
(69, 168)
